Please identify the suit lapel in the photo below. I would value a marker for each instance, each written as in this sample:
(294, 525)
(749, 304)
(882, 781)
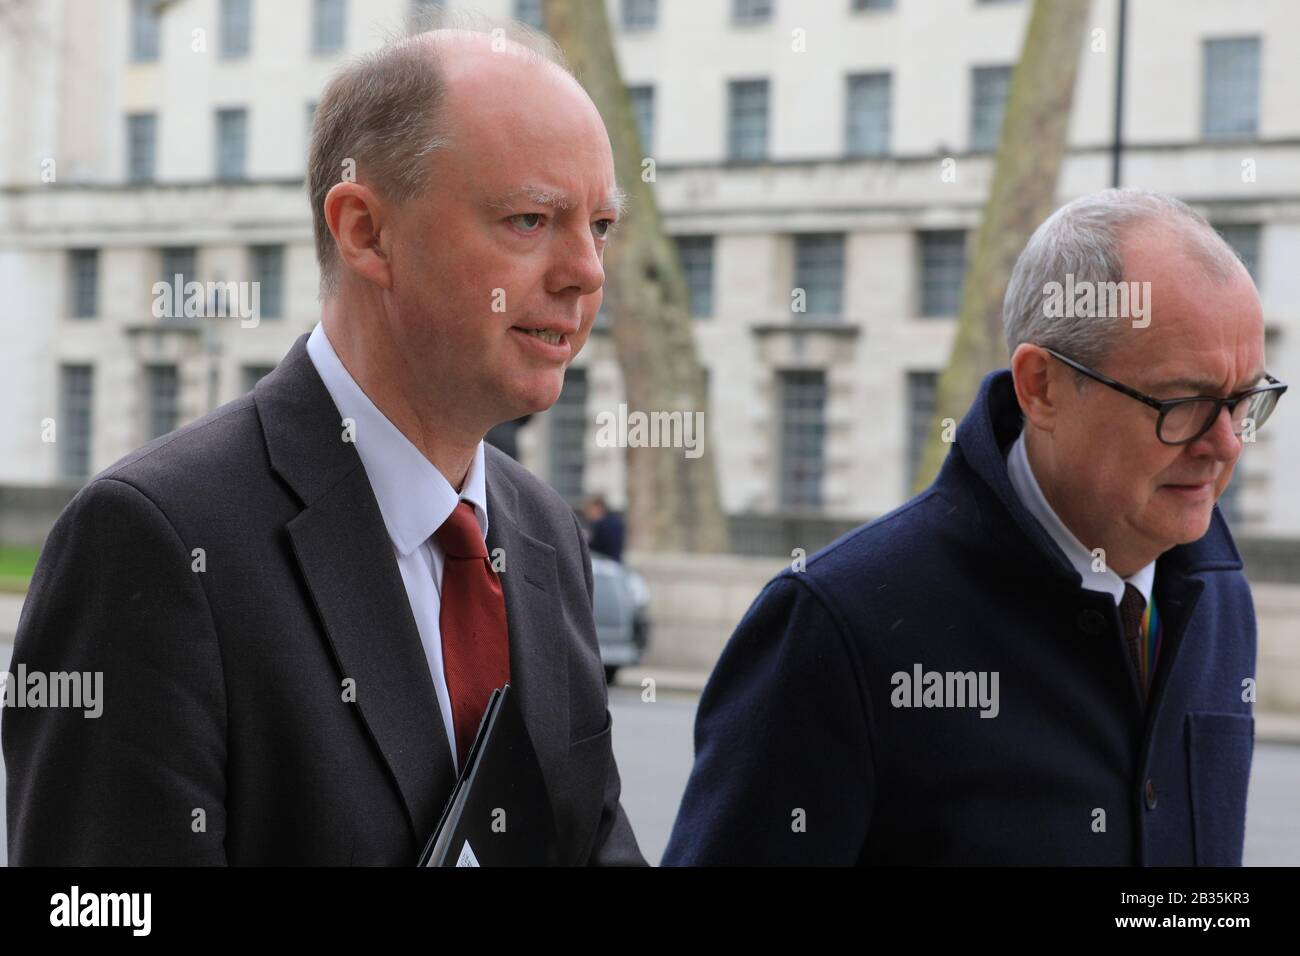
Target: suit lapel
(1180, 582)
(539, 635)
(342, 547)
(1176, 600)
(347, 559)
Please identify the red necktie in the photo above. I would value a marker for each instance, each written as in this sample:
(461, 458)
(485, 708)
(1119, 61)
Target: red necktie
(475, 641)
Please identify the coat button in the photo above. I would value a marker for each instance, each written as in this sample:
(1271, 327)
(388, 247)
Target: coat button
(1090, 622)
(1150, 794)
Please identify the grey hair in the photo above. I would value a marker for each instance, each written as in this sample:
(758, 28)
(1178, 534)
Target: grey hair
(383, 111)
(1084, 238)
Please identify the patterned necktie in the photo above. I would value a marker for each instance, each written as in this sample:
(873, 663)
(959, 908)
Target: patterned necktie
(1141, 634)
(475, 639)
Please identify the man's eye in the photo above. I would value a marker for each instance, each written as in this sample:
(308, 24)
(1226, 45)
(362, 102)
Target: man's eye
(605, 233)
(526, 226)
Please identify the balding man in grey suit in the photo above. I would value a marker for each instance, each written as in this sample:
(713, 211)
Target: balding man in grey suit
(291, 600)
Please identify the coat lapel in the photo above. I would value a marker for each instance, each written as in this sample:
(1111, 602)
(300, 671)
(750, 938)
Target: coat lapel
(1179, 584)
(342, 547)
(539, 636)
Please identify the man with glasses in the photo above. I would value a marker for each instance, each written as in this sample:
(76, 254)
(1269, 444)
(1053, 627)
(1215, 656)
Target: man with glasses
(1047, 657)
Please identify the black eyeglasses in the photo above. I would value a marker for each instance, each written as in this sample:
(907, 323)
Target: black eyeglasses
(1184, 420)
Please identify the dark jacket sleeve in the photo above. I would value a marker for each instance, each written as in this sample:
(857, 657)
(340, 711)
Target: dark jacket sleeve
(615, 844)
(783, 764)
(114, 593)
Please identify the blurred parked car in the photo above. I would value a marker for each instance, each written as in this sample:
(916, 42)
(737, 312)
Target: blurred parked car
(622, 614)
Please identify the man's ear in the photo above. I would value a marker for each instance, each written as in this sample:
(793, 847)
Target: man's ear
(1038, 387)
(356, 217)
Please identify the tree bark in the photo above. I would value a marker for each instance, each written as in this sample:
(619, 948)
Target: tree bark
(673, 502)
(1031, 148)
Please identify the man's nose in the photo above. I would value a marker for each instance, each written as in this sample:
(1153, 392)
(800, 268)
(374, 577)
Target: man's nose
(1219, 442)
(577, 264)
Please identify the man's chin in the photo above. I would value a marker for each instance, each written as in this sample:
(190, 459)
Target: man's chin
(538, 395)
(1191, 526)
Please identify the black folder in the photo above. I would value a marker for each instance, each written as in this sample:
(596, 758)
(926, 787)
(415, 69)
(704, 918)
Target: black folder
(499, 813)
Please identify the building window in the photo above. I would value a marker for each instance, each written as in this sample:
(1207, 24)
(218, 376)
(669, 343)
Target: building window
(530, 13)
(163, 387)
(751, 11)
(567, 433)
(747, 119)
(868, 114)
(141, 141)
(819, 271)
(76, 388)
(1230, 94)
(236, 28)
(144, 31)
(803, 437)
(922, 388)
(696, 253)
(989, 87)
(268, 272)
(178, 268)
(250, 375)
(643, 112)
(327, 25)
(83, 270)
(232, 145)
(943, 266)
(640, 14)
(1244, 239)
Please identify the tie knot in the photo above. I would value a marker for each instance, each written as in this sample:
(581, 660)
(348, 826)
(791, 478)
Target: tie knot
(460, 535)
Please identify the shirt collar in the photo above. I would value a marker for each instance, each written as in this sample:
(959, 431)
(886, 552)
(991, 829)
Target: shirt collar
(414, 497)
(1032, 497)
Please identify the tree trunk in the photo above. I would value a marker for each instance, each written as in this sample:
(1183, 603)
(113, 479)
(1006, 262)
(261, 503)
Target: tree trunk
(673, 502)
(1030, 151)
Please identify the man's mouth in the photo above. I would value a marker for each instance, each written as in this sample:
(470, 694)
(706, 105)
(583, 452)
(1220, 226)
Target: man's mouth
(1192, 490)
(549, 336)
(548, 343)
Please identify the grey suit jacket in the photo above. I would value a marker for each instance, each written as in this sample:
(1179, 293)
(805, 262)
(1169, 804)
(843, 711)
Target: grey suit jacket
(231, 581)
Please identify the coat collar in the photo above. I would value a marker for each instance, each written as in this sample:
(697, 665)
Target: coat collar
(984, 437)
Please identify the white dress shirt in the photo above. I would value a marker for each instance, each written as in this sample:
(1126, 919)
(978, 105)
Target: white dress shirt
(1031, 496)
(414, 499)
